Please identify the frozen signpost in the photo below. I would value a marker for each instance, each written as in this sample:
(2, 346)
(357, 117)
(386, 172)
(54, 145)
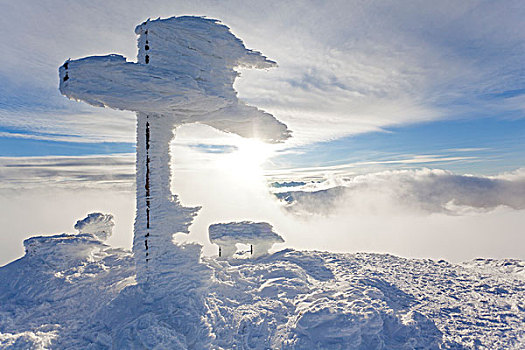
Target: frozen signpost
(184, 74)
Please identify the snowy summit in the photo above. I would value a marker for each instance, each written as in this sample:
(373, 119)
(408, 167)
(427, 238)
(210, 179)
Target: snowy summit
(73, 291)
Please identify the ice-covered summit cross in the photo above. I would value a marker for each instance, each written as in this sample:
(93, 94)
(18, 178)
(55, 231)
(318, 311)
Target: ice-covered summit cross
(184, 74)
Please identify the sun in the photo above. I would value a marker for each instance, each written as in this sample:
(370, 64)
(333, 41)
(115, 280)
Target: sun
(247, 160)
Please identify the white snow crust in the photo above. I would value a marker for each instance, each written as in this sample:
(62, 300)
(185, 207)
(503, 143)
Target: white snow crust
(287, 300)
(258, 234)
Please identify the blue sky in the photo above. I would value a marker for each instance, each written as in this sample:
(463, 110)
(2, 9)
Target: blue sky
(22, 147)
(483, 146)
(356, 82)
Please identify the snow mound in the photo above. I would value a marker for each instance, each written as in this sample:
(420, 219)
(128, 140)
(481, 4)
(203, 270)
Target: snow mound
(49, 297)
(166, 312)
(97, 224)
(258, 234)
(65, 249)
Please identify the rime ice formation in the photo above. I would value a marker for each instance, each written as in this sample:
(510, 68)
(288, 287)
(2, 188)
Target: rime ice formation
(70, 249)
(184, 74)
(62, 250)
(97, 224)
(259, 235)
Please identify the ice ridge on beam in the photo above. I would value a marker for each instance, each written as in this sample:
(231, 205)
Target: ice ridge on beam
(188, 76)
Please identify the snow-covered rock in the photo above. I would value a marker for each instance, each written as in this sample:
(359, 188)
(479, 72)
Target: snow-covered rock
(259, 235)
(62, 250)
(49, 297)
(97, 224)
(65, 249)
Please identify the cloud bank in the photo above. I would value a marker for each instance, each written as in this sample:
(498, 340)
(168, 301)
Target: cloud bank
(415, 191)
(112, 171)
(417, 213)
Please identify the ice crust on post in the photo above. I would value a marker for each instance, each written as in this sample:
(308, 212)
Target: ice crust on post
(184, 73)
(189, 78)
(258, 234)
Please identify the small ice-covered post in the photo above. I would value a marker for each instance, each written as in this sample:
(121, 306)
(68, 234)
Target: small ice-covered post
(184, 74)
(259, 235)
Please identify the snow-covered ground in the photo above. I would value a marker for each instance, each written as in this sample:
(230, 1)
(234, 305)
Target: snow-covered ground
(73, 291)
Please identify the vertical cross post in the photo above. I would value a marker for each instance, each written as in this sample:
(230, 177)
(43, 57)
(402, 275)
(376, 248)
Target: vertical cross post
(184, 74)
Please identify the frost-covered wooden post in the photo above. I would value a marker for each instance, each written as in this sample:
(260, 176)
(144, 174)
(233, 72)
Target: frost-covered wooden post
(184, 74)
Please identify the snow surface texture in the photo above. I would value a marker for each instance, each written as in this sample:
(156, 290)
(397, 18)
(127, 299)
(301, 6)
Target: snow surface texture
(258, 234)
(73, 291)
(97, 224)
(184, 74)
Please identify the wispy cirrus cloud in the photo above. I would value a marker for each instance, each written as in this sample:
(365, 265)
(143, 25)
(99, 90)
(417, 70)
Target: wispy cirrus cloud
(349, 66)
(352, 168)
(111, 171)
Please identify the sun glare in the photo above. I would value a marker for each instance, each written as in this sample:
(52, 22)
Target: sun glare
(249, 157)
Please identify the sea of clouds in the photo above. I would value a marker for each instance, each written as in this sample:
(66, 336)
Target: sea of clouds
(417, 191)
(427, 213)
